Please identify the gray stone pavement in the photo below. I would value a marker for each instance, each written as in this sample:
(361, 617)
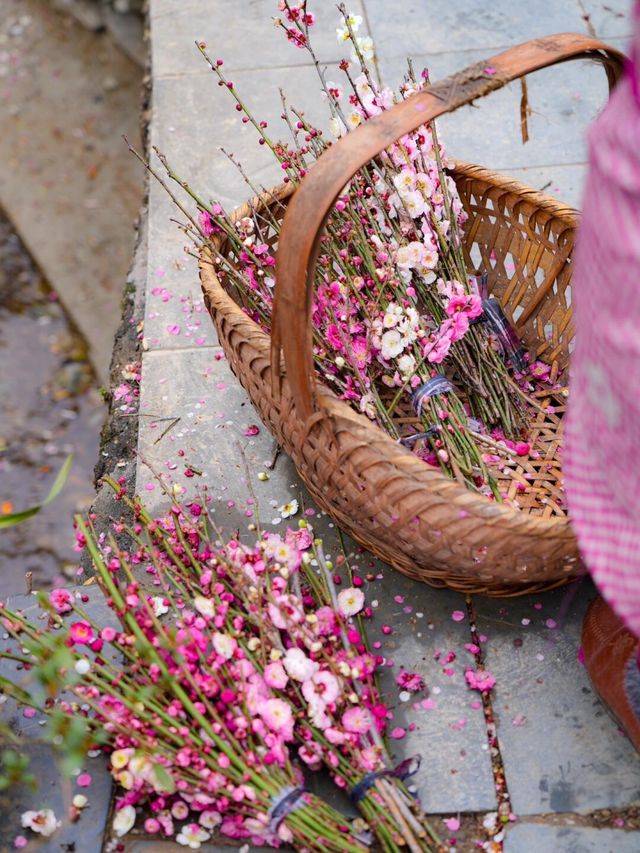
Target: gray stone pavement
(561, 752)
(563, 757)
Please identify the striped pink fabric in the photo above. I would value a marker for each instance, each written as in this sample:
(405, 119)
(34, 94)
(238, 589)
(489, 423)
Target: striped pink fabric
(602, 448)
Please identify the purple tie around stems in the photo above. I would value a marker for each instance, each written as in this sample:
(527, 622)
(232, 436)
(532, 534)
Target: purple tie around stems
(494, 316)
(432, 388)
(286, 802)
(407, 768)
(410, 440)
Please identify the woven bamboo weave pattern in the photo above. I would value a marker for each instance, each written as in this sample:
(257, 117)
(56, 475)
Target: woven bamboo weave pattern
(405, 511)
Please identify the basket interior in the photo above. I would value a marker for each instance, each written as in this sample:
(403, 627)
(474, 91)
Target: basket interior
(525, 249)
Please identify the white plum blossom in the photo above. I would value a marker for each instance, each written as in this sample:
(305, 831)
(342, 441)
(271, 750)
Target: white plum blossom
(337, 127)
(365, 46)
(364, 89)
(140, 767)
(392, 344)
(424, 183)
(124, 820)
(288, 509)
(224, 645)
(192, 836)
(429, 259)
(409, 324)
(159, 607)
(405, 182)
(392, 315)
(298, 665)
(411, 255)
(354, 119)
(43, 822)
(351, 601)
(414, 203)
(342, 32)
(354, 21)
(406, 366)
(367, 406)
(205, 606)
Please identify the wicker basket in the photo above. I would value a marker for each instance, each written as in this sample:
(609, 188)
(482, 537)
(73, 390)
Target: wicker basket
(408, 513)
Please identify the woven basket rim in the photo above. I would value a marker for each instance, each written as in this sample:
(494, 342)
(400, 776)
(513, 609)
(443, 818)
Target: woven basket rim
(482, 505)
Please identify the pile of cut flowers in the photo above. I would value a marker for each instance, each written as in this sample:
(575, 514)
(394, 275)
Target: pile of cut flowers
(227, 674)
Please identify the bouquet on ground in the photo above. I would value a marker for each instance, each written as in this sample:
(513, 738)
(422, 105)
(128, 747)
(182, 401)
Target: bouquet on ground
(401, 328)
(241, 667)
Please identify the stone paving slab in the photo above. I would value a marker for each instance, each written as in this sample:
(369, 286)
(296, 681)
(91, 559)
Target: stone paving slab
(530, 837)
(609, 17)
(445, 725)
(53, 791)
(562, 751)
(175, 316)
(214, 414)
(445, 26)
(240, 33)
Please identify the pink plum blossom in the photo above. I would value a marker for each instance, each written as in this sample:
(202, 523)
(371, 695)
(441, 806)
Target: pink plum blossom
(81, 632)
(480, 680)
(275, 675)
(322, 685)
(278, 716)
(356, 720)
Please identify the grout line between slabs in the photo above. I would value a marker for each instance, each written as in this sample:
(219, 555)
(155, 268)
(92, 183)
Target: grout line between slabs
(501, 789)
(161, 350)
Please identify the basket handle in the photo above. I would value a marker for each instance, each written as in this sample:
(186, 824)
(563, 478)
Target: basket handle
(310, 205)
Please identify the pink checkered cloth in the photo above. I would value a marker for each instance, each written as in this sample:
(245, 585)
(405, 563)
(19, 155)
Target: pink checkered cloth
(602, 446)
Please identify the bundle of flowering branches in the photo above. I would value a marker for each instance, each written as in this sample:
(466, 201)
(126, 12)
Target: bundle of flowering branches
(401, 329)
(244, 659)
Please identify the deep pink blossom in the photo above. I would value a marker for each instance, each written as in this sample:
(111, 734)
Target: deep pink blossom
(205, 223)
(81, 632)
(411, 681)
(61, 599)
(480, 680)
